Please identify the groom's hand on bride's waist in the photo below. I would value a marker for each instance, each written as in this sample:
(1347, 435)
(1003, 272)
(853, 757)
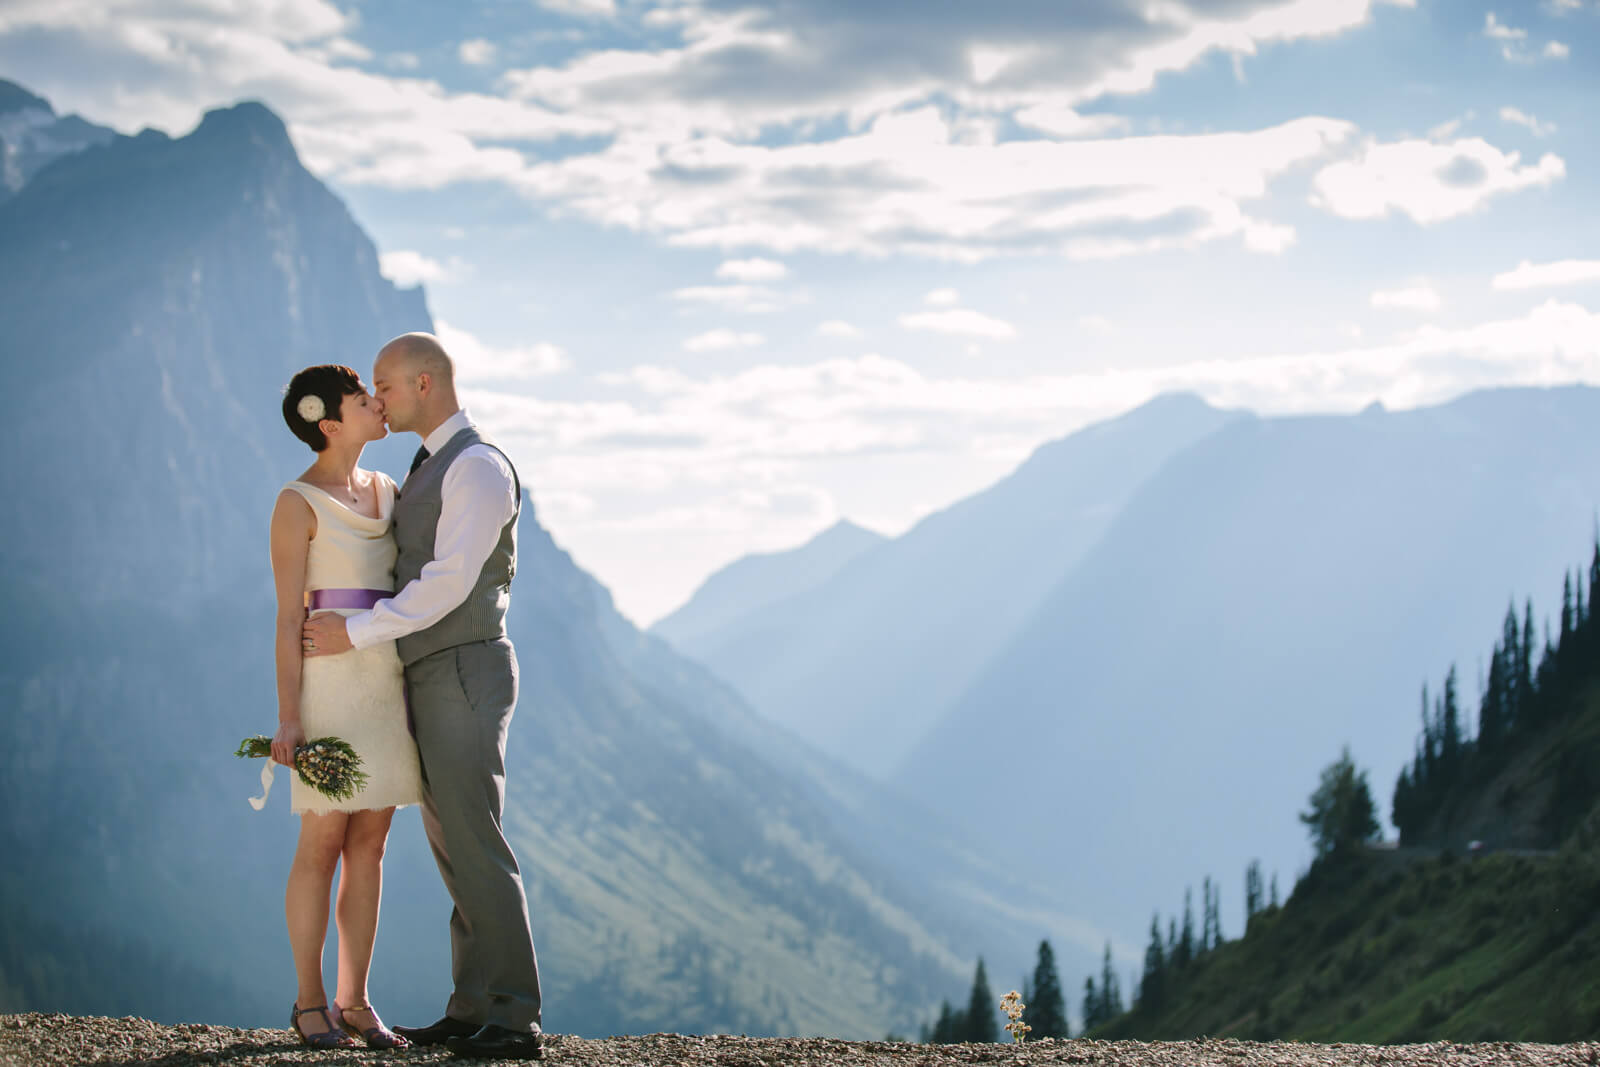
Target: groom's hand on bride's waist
(324, 635)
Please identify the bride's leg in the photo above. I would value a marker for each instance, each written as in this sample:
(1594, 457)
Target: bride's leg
(360, 889)
(306, 901)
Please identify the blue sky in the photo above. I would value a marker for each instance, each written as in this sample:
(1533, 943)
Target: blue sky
(721, 273)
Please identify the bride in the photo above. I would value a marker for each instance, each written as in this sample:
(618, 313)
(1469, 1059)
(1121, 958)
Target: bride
(332, 549)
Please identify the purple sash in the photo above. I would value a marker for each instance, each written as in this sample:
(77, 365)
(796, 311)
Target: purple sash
(345, 599)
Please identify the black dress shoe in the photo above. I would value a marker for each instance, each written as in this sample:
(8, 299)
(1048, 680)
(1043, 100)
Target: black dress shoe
(438, 1033)
(497, 1043)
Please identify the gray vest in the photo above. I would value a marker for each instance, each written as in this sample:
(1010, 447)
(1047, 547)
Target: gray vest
(482, 616)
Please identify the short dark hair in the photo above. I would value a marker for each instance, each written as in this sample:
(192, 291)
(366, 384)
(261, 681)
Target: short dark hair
(330, 383)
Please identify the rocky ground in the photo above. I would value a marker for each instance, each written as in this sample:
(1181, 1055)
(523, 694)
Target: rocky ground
(48, 1040)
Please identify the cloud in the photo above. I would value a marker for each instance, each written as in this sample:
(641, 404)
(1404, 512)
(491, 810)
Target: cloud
(407, 268)
(1540, 129)
(583, 8)
(476, 52)
(1427, 181)
(402, 61)
(941, 297)
(1528, 275)
(720, 339)
(144, 63)
(905, 184)
(1097, 324)
(752, 270)
(963, 322)
(478, 363)
(1416, 298)
(837, 328)
(750, 299)
(1496, 30)
(1556, 50)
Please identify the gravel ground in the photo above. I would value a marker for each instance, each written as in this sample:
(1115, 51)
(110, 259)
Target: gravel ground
(48, 1040)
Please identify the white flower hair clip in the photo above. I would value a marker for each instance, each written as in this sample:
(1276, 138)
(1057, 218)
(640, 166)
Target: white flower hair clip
(311, 408)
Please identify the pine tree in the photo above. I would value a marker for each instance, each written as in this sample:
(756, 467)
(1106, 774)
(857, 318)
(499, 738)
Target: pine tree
(982, 1009)
(1274, 902)
(1110, 988)
(1567, 618)
(1252, 891)
(948, 1028)
(1525, 690)
(1186, 945)
(1153, 983)
(1491, 708)
(1216, 915)
(1046, 1004)
(1342, 814)
(1450, 731)
(1093, 1009)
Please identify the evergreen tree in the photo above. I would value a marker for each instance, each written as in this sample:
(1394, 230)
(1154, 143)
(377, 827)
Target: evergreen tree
(982, 1009)
(1153, 983)
(1342, 814)
(1567, 617)
(1524, 685)
(1093, 1009)
(1046, 1004)
(1252, 891)
(1216, 915)
(1205, 915)
(1110, 988)
(1273, 904)
(1450, 745)
(1185, 953)
(1172, 941)
(1492, 707)
(947, 1030)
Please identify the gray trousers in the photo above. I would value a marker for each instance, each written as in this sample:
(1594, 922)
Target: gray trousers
(461, 703)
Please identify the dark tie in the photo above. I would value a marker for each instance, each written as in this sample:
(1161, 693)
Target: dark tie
(416, 461)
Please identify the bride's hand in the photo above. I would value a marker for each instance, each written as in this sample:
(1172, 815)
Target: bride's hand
(289, 737)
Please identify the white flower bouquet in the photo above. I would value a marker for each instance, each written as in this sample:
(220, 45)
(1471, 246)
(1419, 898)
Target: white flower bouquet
(328, 765)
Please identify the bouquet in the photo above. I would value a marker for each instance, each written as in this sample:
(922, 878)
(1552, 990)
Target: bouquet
(328, 765)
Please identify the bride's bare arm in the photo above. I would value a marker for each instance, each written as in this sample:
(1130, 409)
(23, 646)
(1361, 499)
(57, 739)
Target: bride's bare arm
(293, 526)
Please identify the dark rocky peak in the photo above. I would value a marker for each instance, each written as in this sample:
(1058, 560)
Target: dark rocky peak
(248, 125)
(14, 97)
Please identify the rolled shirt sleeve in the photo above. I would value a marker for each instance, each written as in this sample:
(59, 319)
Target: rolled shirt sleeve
(478, 498)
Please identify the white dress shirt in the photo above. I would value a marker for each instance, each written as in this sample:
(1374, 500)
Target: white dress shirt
(479, 495)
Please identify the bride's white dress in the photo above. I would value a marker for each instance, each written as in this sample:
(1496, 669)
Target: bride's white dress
(358, 695)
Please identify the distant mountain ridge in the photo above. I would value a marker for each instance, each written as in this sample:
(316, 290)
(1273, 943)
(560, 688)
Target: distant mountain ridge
(32, 136)
(862, 664)
(750, 584)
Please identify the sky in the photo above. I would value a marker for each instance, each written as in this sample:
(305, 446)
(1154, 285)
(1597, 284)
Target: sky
(719, 274)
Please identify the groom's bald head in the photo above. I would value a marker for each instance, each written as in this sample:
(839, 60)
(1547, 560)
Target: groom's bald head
(416, 380)
(421, 353)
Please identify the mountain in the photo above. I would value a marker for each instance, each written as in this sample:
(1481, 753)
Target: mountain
(726, 599)
(32, 136)
(864, 663)
(1270, 595)
(687, 868)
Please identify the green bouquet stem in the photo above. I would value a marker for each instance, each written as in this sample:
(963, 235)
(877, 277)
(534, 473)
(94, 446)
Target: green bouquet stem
(328, 765)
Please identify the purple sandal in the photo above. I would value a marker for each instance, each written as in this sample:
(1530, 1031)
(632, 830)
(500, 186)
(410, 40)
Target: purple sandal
(330, 1038)
(379, 1036)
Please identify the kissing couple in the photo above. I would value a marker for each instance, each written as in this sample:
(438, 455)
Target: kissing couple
(391, 635)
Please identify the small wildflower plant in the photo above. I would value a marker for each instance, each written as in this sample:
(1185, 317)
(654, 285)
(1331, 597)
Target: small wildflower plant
(1012, 1005)
(328, 765)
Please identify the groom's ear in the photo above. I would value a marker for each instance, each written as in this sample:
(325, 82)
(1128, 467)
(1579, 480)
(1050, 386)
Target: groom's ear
(424, 383)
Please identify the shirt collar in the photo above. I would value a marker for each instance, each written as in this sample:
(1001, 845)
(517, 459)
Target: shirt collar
(446, 430)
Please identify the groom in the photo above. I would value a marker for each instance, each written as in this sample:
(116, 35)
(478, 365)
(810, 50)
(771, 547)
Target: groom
(455, 524)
